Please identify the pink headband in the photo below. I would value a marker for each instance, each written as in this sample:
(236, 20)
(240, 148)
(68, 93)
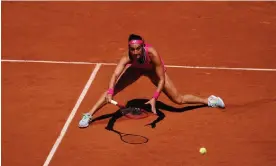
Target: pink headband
(136, 42)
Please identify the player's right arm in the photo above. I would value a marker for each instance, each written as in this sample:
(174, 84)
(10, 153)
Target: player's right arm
(116, 74)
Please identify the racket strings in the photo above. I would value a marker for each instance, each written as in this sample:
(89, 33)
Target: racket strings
(134, 113)
(132, 110)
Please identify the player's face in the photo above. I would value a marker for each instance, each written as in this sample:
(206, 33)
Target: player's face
(136, 49)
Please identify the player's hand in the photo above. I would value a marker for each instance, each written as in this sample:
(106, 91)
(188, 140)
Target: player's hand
(108, 98)
(152, 103)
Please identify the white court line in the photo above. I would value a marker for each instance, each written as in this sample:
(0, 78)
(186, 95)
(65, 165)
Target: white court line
(58, 62)
(220, 68)
(71, 116)
(113, 64)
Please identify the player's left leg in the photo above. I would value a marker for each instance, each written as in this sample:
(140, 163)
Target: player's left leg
(172, 93)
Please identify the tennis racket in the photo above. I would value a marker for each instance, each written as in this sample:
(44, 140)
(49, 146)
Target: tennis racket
(131, 112)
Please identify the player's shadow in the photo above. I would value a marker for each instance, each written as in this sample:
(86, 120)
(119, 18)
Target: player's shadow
(140, 103)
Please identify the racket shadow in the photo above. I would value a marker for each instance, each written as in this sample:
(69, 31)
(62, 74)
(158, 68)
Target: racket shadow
(125, 137)
(129, 138)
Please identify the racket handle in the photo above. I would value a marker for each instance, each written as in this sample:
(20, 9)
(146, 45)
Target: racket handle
(116, 103)
(113, 102)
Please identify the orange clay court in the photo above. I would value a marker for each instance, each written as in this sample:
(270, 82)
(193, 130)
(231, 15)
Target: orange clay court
(43, 98)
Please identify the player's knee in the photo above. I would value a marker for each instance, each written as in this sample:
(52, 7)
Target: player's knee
(182, 99)
(177, 99)
(186, 98)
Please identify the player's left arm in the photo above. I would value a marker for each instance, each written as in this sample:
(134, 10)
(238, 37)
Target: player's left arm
(159, 68)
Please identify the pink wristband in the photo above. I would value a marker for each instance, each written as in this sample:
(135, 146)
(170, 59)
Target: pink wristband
(156, 95)
(110, 91)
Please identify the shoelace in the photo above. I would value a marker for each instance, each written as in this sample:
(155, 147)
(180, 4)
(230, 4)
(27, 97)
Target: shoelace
(85, 116)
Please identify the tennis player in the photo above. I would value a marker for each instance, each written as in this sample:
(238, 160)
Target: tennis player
(143, 60)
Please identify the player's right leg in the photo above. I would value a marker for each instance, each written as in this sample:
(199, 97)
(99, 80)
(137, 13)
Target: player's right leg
(129, 76)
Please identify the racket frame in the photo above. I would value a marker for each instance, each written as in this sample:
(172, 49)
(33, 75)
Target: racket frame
(124, 107)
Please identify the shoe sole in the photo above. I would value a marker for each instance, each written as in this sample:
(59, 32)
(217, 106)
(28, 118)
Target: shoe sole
(83, 126)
